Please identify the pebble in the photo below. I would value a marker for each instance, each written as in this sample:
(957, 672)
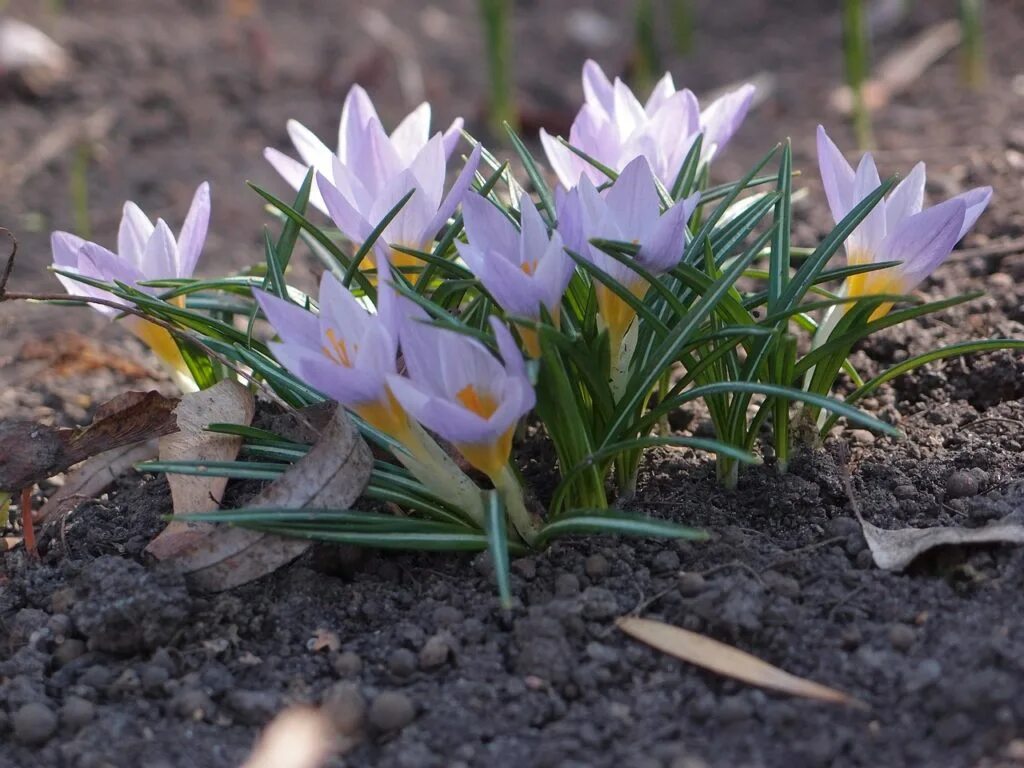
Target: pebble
(855, 543)
(447, 616)
(251, 707)
(732, 709)
(96, 676)
(841, 527)
(153, 676)
(901, 636)
(691, 584)
(162, 658)
(862, 436)
(76, 712)
(192, 704)
(666, 561)
(599, 603)
(904, 491)
(34, 724)
(59, 624)
(962, 484)
(391, 711)
(567, 585)
(402, 662)
(68, 651)
(346, 707)
(526, 567)
(348, 664)
(781, 584)
(597, 567)
(434, 652)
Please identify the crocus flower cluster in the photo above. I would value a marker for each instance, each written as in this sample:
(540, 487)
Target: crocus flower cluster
(898, 229)
(145, 251)
(613, 127)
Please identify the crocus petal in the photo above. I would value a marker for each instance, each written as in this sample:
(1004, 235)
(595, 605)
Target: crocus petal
(455, 195)
(453, 422)
(133, 234)
(867, 238)
(312, 151)
(597, 88)
(837, 176)
(921, 242)
(160, 258)
(412, 133)
(296, 326)
(428, 166)
(561, 159)
(452, 136)
(351, 223)
(512, 288)
(97, 262)
(487, 228)
(906, 199)
(66, 255)
(664, 247)
(294, 173)
(193, 231)
(976, 200)
(723, 117)
(628, 112)
(348, 386)
(340, 310)
(65, 248)
(634, 199)
(356, 112)
(662, 90)
(515, 365)
(554, 273)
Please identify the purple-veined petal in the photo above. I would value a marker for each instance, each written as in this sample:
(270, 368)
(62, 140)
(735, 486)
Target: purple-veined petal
(340, 311)
(554, 273)
(512, 289)
(294, 325)
(597, 88)
(923, 241)
(867, 238)
(452, 136)
(837, 176)
(351, 223)
(453, 422)
(160, 259)
(561, 159)
(906, 199)
(193, 231)
(407, 227)
(454, 197)
(723, 117)
(65, 247)
(312, 151)
(975, 201)
(664, 247)
(628, 112)
(634, 201)
(294, 173)
(429, 166)
(134, 233)
(662, 90)
(356, 112)
(348, 386)
(515, 365)
(412, 133)
(487, 228)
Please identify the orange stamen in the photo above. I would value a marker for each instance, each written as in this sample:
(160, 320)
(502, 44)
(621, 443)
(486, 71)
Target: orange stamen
(338, 351)
(482, 404)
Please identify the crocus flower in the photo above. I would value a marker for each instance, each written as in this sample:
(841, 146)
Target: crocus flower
(456, 388)
(359, 129)
(897, 229)
(629, 211)
(344, 351)
(613, 127)
(523, 269)
(145, 251)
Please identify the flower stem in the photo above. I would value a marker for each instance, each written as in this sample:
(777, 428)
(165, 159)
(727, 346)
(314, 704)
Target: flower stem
(429, 463)
(507, 484)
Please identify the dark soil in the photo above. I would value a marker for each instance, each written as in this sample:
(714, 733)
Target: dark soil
(107, 660)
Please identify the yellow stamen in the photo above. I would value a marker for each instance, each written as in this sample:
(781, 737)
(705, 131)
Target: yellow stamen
(489, 458)
(338, 351)
(482, 404)
(529, 267)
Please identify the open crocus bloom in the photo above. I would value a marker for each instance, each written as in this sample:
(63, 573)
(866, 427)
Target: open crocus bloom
(613, 127)
(458, 389)
(344, 351)
(360, 129)
(145, 251)
(523, 269)
(897, 229)
(629, 211)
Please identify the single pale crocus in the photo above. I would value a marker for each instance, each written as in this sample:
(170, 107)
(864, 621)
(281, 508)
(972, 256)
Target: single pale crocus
(523, 269)
(359, 131)
(613, 127)
(629, 211)
(899, 228)
(145, 251)
(458, 389)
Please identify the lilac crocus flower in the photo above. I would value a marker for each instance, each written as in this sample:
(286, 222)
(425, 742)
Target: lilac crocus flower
(523, 269)
(145, 251)
(458, 389)
(360, 128)
(613, 127)
(629, 211)
(899, 228)
(344, 351)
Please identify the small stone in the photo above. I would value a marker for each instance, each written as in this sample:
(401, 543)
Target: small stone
(901, 636)
(25, 624)
(904, 491)
(251, 707)
(841, 527)
(76, 713)
(447, 616)
(434, 652)
(781, 584)
(126, 684)
(597, 567)
(526, 567)
(691, 584)
(961, 484)
(96, 676)
(734, 708)
(855, 542)
(599, 603)
(348, 664)
(68, 651)
(153, 677)
(665, 561)
(862, 436)
(59, 624)
(391, 711)
(402, 662)
(865, 559)
(62, 600)
(162, 658)
(850, 638)
(34, 724)
(567, 585)
(346, 707)
(192, 704)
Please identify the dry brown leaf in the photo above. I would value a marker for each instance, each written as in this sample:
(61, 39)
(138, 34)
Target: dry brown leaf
(332, 475)
(226, 402)
(300, 737)
(894, 550)
(728, 661)
(30, 453)
(94, 476)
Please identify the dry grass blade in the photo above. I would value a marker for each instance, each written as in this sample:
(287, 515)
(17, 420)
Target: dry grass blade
(728, 661)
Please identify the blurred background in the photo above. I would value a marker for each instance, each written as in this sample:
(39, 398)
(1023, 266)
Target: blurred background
(143, 100)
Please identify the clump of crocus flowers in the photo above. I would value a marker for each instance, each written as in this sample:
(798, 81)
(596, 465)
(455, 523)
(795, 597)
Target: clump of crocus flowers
(584, 311)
